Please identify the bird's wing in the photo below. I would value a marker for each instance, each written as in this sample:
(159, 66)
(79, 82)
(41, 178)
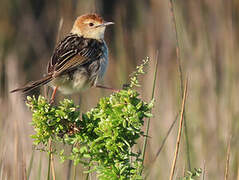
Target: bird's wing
(73, 51)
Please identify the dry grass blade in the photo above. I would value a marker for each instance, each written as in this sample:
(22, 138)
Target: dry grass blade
(59, 29)
(162, 145)
(69, 167)
(179, 131)
(177, 44)
(228, 159)
(30, 165)
(178, 56)
(165, 138)
(74, 173)
(204, 170)
(52, 168)
(52, 162)
(49, 163)
(1, 172)
(39, 173)
(24, 170)
(148, 122)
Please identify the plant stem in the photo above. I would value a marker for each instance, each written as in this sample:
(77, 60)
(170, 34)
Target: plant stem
(204, 170)
(39, 168)
(88, 174)
(165, 138)
(49, 167)
(148, 122)
(69, 167)
(178, 56)
(30, 165)
(179, 131)
(74, 173)
(52, 167)
(228, 159)
(162, 145)
(49, 161)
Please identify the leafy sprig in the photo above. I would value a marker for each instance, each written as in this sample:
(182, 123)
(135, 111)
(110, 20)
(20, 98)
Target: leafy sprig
(191, 175)
(134, 82)
(103, 137)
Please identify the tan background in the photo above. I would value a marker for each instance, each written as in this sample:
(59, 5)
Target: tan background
(208, 37)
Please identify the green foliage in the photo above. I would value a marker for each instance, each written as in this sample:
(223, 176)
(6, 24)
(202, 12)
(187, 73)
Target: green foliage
(51, 122)
(102, 138)
(191, 175)
(139, 71)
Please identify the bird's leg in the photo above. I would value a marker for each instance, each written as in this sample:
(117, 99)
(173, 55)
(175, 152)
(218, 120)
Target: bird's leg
(108, 88)
(53, 95)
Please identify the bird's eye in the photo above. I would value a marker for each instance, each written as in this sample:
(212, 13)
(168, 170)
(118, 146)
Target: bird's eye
(91, 24)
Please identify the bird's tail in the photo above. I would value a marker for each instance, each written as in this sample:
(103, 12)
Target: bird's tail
(32, 85)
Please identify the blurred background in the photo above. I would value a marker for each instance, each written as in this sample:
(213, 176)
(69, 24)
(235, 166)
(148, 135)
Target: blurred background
(209, 50)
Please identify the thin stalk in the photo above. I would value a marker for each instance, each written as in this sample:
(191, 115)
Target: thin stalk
(24, 170)
(39, 168)
(49, 167)
(179, 131)
(69, 167)
(1, 171)
(165, 138)
(204, 170)
(228, 159)
(148, 122)
(49, 161)
(59, 29)
(178, 54)
(74, 173)
(187, 142)
(30, 165)
(52, 167)
(88, 174)
(23, 165)
(162, 145)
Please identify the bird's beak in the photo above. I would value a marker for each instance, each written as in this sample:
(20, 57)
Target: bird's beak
(105, 24)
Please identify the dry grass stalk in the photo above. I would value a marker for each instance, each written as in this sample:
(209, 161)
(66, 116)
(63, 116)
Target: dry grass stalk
(165, 138)
(178, 57)
(177, 44)
(52, 163)
(238, 173)
(179, 131)
(52, 168)
(204, 170)
(24, 170)
(162, 145)
(228, 159)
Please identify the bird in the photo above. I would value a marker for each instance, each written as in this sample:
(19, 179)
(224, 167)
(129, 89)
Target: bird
(80, 59)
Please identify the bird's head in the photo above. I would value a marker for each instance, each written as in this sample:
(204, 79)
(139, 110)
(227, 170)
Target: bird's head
(90, 26)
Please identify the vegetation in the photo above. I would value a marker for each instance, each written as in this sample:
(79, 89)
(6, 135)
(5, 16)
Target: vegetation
(191, 175)
(102, 138)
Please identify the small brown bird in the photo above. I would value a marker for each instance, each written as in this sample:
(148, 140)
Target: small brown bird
(79, 61)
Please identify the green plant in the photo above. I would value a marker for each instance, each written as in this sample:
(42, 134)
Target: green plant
(191, 175)
(102, 138)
